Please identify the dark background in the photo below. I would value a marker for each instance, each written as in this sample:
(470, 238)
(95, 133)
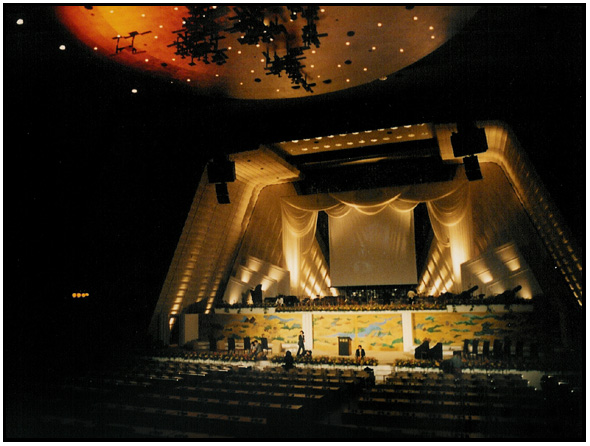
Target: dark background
(99, 181)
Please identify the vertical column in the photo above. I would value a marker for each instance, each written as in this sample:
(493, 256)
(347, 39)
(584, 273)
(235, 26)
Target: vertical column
(307, 327)
(407, 331)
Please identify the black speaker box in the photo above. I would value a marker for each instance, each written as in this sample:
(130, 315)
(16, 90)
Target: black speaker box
(221, 171)
(222, 193)
(469, 141)
(472, 168)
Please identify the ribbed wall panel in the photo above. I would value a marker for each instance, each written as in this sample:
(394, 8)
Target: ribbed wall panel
(505, 151)
(212, 235)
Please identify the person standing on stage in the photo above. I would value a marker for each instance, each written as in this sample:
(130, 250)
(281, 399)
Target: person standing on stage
(301, 344)
(360, 352)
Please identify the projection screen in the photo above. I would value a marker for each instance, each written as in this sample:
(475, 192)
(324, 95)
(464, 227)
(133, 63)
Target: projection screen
(372, 249)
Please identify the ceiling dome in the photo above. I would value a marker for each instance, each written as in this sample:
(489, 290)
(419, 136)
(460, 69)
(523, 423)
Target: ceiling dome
(356, 44)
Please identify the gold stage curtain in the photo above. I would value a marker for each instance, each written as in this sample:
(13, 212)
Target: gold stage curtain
(449, 209)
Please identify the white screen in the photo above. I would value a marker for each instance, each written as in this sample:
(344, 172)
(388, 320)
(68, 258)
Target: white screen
(372, 249)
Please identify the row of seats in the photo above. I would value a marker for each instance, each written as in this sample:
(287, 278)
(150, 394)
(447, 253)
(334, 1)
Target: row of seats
(476, 348)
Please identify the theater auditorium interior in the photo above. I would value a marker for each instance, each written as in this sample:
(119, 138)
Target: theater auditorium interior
(294, 222)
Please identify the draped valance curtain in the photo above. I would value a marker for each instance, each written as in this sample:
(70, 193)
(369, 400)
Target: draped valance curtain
(449, 210)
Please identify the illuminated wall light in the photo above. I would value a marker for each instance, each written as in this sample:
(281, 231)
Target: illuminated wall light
(239, 51)
(349, 143)
(322, 10)
(95, 48)
(304, 149)
(347, 80)
(386, 138)
(143, 15)
(155, 37)
(161, 26)
(147, 60)
(176, 8)
(379, 24)
(365, 69)
(398, 137)
(415, 18)
(20, 21)
(401, 50)
(188, 80)
(312, 66)
(407, 126)
(432, 37)
(327, 146)
(373, 48)
(411, 135)
(111, 11)
(62, 47)
(338, 145)
(373, 140)
(339, 66)
(251, 71)
(261, 60)
(173, 59)
(229, 48)
(315, 147)
(134, 90)
(312, 51)
(362, 141)
(216, 75)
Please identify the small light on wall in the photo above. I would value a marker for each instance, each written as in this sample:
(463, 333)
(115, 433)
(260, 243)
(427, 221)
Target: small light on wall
(62, 47)
(20, 21)
(134, 90)
(401, 50)
(379, 24)
(95, 48)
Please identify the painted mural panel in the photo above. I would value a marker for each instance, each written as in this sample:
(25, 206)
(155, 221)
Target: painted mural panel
(375, 332)
(453, 328)
(283, 328)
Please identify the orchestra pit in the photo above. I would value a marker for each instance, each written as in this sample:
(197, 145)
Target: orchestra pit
(380, 245)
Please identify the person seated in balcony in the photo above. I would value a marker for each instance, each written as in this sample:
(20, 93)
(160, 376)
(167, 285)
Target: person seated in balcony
(360, 352)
